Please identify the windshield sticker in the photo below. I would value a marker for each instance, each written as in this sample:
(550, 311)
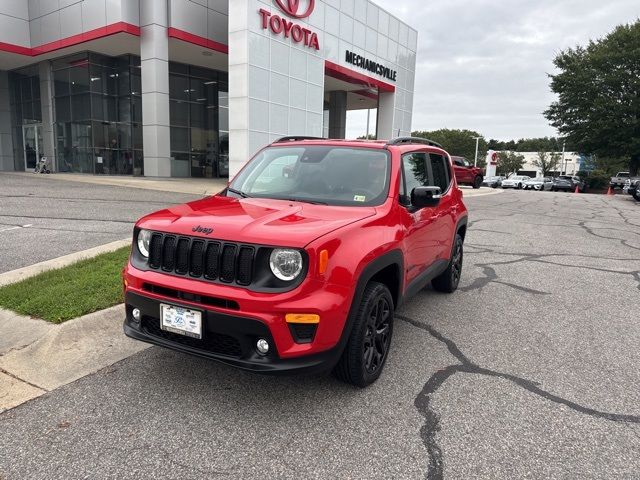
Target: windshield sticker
(359, 198)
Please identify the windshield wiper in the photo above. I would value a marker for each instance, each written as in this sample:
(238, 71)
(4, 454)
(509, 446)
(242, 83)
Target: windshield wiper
(238, 192)
(303, 200)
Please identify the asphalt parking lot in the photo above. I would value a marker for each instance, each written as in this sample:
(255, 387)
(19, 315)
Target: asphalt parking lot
(42, 218)
(530, 370)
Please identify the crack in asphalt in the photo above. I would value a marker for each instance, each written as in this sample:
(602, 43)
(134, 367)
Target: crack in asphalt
(432, 426)
(492, 277)
(6, 372)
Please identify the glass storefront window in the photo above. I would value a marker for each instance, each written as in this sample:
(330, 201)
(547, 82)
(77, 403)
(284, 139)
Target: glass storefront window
(79, 78)
(98, 114)
(179, 113)
(61, 83)
(179, 139)
(198, 121)
(26, 109)
(80, 107)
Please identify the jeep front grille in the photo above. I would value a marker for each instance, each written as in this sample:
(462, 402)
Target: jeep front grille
(209, 259)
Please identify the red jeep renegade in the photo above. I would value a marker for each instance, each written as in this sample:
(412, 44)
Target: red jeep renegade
(300, 263)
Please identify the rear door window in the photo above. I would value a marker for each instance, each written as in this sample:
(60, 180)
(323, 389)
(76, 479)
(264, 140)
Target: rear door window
(439, 171)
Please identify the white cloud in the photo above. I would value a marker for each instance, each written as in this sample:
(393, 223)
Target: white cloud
(483, 64)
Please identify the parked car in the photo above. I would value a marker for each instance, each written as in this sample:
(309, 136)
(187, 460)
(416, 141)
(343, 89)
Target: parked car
(632, 187)
(539, 183)
(568, 183)
(493, 182)
(515, 181)
(467, 174)
(299, 264)
(619, 180)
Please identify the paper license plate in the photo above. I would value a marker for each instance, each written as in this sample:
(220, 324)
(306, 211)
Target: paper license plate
(182, 321)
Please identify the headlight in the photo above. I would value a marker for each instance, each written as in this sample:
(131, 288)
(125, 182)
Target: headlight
(144, 238)
(286, 264)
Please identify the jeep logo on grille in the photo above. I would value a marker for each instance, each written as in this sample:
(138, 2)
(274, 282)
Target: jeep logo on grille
(200, 229)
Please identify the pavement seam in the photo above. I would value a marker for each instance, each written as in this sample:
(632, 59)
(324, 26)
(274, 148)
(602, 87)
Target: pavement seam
(8, 373)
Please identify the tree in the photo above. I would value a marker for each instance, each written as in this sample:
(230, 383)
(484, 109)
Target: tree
(547, 162)
(458, 143)
(598, 88)
(367, 137)
(509, 162)
(542, 144)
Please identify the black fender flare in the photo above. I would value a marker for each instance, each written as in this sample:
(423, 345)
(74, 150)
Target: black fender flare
(462, 222)
(392, 257)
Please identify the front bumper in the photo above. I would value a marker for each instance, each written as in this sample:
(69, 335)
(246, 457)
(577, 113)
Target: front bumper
(228, 339)
(245, 316)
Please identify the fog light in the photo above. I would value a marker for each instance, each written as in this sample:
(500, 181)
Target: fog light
(262, 346)
(136, 314)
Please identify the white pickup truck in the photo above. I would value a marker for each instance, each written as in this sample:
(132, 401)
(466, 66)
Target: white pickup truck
(619, 180)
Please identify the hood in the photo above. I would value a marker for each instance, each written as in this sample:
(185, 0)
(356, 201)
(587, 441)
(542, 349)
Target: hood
(254, 220)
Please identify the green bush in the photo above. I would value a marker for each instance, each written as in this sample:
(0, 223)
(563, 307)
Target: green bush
(598, 179)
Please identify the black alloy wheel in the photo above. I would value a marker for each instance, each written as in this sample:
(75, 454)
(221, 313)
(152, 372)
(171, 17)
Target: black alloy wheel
(449, 280)
(367, 348)
(377, 337)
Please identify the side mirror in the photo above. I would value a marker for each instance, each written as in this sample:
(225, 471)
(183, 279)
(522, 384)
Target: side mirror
(422, 197)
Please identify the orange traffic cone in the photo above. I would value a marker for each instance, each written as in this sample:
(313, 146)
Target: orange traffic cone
(577, 189)
(610, 191)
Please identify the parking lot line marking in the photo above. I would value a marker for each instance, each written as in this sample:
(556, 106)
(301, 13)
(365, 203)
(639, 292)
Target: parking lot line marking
(16, 227)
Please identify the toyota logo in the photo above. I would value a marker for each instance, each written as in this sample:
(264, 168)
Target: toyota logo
(292, 7)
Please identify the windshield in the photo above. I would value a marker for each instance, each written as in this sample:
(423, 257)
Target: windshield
(317, 174)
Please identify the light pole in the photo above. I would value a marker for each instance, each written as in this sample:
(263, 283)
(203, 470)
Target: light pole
(368, 116)
(562, 163)
(477, 139)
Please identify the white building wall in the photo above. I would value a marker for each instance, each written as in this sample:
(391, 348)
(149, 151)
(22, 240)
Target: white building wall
(276, 86)
(571, 162)
(14, 22)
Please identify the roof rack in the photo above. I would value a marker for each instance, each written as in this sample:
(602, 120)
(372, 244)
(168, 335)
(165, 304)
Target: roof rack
(409, 140)
(296, 138)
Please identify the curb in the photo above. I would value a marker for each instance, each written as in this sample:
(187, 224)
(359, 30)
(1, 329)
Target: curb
(61, 354)
(21, 273)
(483, 194)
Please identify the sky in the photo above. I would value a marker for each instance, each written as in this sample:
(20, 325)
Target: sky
(483, 65)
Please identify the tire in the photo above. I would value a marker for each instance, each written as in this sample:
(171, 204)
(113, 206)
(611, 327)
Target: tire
(637, 195)
(519, 187)
(447, 281)
(368, 346)
(553, 189)
(477, 183)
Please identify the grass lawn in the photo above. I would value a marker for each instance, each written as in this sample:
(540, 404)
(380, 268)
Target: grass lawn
(69, 292)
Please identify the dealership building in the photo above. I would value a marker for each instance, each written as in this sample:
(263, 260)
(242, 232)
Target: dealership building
(192, 88)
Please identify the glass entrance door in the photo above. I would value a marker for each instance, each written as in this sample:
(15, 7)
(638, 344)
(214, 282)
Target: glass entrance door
(32, 141)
